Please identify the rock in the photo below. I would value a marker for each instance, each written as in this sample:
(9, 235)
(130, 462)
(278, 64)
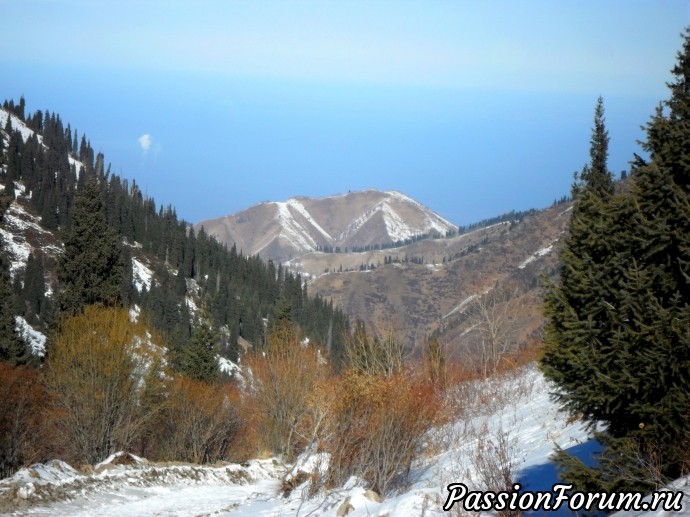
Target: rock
(345, 508)
(373, 496)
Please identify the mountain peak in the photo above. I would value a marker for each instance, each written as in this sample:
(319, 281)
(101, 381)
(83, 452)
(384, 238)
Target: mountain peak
(282, 230)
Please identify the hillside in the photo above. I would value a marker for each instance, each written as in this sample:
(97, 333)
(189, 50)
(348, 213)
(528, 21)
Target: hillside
(287, 230)
(419, 289)
(175, 276)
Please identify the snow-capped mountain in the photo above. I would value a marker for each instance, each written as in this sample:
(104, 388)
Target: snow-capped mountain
(288, 229)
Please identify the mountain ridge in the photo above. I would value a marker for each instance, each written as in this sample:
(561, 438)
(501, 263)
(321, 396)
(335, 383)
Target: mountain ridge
(283, 230)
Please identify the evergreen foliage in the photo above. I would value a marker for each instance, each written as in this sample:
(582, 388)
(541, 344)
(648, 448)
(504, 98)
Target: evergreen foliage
(91, 268)
(198, 359)
(12, 348)
(617, 341)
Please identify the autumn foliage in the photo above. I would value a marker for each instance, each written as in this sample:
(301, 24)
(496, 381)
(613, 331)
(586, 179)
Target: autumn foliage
(21, 404)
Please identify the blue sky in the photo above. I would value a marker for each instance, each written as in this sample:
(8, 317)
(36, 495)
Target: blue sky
(473, 108)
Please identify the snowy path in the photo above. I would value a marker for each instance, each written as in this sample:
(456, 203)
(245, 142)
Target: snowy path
(258, 499)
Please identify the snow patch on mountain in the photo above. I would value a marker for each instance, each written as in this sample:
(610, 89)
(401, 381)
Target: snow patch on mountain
(433, 221)
(16, 247)
(17, 125)
(32, 337)
(539, 253)
(291, 229)
(299, 207)
(141, 275)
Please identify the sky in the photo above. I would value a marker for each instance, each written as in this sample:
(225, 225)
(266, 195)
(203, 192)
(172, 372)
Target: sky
(473, 108)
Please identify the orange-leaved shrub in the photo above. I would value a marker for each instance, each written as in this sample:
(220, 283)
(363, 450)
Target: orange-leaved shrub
(199, 421)
(21, 402)
(282, 380)
(378, 426)
(103, 379)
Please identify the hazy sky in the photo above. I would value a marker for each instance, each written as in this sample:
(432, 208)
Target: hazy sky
(471, 107)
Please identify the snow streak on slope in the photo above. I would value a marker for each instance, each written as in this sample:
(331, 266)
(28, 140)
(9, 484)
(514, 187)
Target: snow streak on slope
(435, 222)
(141, 275)
(17, 125)
(305, 213)
(540, 253)
(292, 230)
(35, 339)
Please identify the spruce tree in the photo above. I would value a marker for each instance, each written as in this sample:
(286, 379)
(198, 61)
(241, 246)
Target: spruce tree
(198, 358)
(12, 348)
(91, 269)
(617, 341)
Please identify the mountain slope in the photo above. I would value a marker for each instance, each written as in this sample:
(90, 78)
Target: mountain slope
(425, 287)
(289, 229)
(169, 272)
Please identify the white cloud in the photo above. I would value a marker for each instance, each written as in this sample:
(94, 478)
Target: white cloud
(145, 142)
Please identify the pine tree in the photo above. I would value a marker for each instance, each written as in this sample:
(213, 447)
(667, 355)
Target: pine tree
(12, 348)
(91, 269)
(617, 341)
(198, 359)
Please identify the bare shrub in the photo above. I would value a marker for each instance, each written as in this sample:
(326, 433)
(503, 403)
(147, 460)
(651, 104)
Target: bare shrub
(377, 354)
(99, 371)
(199, 421)
(378, 427)
(495, 462)
(21, 402)
(283, 379)
(493, 328)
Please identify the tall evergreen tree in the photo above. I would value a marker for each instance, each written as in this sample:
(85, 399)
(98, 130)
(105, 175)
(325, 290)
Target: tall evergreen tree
(12, 348)
(91, 269)
(617, 340)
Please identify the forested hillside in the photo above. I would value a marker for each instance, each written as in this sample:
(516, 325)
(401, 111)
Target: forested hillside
(46, 164)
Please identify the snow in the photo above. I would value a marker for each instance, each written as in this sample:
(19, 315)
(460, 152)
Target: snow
(227, 366)
(134, 313)
(460, 306)
(77, 164)
(539, 253)
(14, 244)
(565, 211)
(435, 222)
(17, 125)
(141, 275)
(516, 408)
(299, 207)
(291, 229)
(35, 339)
(16, 223)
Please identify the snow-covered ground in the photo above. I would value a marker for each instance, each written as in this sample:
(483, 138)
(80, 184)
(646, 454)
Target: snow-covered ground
(514, 415)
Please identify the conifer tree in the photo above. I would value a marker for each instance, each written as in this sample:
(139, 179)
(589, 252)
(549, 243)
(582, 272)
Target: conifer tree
(91, 269)
(198, 358)
(12, 348)
(617, 341)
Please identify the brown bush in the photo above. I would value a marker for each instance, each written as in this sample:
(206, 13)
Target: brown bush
(378, 426)
(21, 402)
(103, 380)
(282, 381)
(199, 421)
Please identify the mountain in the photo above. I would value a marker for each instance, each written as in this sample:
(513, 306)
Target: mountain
(429, 287)
(364, 253)
(356, 221)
